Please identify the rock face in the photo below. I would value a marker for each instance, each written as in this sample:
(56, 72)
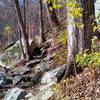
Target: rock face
(15, 94)
(50, 76)
(11, 55)
(53, 75)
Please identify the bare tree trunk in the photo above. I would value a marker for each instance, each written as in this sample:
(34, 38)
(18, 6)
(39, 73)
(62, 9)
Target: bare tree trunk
(41, 21)
(88, 19)
(23, 27)
(79, 39)
(24, 56)
(28, 24)
(24, 2)
(75, 45)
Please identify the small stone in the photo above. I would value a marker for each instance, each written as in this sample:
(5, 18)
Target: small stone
(2, 80)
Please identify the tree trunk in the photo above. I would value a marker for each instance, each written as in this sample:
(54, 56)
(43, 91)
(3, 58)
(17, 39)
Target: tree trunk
(24, 2)
(23, 27)
(76, 36)
(75, 45)
(88, 19)
(20, 38)
(41, 21)
(53, 15)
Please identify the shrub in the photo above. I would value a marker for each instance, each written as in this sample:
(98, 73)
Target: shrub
(92, 59)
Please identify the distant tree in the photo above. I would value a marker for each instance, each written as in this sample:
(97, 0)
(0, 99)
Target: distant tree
(23, 28)
(41, 21)
(24, 3)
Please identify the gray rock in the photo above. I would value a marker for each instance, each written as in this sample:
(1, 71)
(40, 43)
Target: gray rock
(11, 55)
(16, 80)
(42, 66)
(42, 95)
(53, 75)
(21, 70)
(48, 80)
(30, 96)
(50, 76)
(2, 80)
(18, 72)
(15, 94)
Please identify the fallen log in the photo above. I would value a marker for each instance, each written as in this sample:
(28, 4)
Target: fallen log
(32, 63)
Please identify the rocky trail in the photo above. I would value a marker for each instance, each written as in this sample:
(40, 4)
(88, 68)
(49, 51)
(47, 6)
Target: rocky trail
(32, 80)
(37, 80)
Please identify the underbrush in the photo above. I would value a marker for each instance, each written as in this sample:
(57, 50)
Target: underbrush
(60, 56)
(92, 59)
(86, 85)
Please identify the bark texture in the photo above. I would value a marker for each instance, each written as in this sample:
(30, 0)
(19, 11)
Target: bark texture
(79, 39)
(23, 28)
(88, 19)
(41, 21)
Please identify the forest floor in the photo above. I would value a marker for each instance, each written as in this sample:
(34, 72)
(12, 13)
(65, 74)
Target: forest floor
(85, 86)
(38, 79)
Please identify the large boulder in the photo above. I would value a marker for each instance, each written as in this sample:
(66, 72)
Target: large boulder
(53, 75)
(12, 54)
